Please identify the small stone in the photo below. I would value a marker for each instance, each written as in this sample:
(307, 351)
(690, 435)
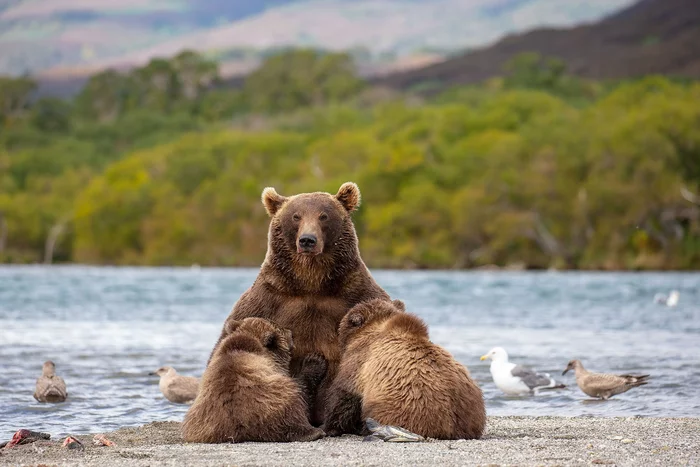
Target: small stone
(73, 443)
(101, 440)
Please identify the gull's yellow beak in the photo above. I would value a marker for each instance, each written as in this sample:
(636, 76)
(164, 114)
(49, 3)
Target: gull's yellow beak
(484, 357)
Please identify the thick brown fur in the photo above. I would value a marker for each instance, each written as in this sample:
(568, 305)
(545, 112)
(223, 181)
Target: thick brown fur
(310, 292)
(246, 393)
(391, 372)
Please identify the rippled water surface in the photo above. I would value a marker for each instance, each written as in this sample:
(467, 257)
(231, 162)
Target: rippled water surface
(107, 328)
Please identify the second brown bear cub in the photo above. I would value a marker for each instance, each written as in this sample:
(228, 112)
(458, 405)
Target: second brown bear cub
(391, 372)
(246, 393)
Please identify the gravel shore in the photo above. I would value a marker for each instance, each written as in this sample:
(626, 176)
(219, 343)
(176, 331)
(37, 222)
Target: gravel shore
(508, 441)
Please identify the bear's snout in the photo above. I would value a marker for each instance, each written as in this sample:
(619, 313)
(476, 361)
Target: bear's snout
(307, 243)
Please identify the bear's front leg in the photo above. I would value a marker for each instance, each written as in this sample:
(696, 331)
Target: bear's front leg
(343, 413)
(313, 370)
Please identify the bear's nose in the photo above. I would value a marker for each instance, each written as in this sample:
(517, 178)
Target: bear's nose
(307, 241)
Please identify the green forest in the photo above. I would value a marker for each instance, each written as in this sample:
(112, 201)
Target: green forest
(164, 165)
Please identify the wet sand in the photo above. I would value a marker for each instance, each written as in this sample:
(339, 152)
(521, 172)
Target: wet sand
(508, 441)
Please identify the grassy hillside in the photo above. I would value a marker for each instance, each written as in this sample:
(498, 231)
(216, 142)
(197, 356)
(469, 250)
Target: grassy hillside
(539, 168)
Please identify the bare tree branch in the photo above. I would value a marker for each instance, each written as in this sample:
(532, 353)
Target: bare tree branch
(52, 238)
(543, 237)
(690, 196)
(3, 232)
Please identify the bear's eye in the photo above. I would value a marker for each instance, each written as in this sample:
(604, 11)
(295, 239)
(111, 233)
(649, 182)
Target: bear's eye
(323, 217)
(296, 217)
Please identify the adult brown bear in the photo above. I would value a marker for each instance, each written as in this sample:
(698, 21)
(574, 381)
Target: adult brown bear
(312, 275)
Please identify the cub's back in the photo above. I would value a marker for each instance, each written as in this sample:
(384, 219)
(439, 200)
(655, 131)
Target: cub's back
(239, 391)
(410, 382)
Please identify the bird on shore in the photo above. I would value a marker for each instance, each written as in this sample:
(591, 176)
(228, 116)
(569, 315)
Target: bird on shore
(670, 300)
(515, 379)
(176, 387)
(603, 385)
(49, 386)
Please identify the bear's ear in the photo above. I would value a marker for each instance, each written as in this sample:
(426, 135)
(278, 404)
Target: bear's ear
(401, 306)
(231, 325)
(272, 201)
(349, 196)
(271, 341)
(356, 320)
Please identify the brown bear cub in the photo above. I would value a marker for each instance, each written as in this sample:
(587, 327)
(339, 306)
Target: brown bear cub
(246, 393)
(391, 372)
(312, 275)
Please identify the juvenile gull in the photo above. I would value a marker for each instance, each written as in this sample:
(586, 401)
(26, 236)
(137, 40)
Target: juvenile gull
(603, 385)
(514, 379)
(175, 387)
(49, 387)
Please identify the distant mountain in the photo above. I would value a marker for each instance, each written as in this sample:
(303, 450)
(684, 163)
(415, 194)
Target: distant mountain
(40, 34)
(85, 35)
(650, 37)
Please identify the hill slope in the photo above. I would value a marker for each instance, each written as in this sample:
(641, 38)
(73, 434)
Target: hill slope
(651, 37)
(38, 35)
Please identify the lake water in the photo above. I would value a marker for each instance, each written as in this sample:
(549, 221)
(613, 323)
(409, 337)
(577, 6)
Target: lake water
(107, 328)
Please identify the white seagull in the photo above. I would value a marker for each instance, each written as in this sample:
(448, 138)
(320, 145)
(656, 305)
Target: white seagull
(514, 379)
(671, 300)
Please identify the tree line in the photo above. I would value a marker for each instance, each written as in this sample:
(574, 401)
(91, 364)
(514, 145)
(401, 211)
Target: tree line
(164, 165)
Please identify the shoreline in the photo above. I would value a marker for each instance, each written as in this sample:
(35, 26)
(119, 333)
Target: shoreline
(484, 268)
(508, 440)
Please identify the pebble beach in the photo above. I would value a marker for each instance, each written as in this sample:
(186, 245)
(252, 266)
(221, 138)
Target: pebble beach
(522, 441)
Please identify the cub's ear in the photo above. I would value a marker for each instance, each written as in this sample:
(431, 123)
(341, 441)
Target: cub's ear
(356, 320)
(272, 201)
(349, 196)
(231, 325)
(401, 306)
(271, 340)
